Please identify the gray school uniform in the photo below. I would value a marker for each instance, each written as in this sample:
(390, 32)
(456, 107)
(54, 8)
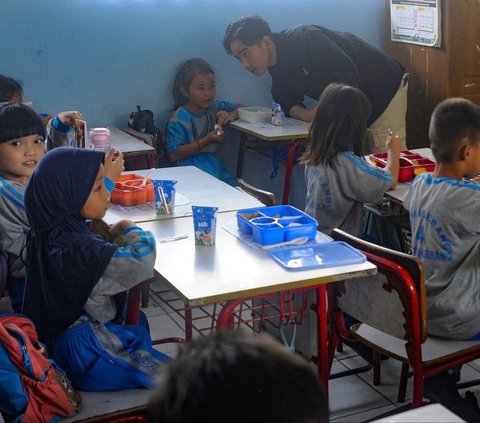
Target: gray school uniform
(131, 264)
(14, 225)
(444, 214)
(335, 196)
(56, 138)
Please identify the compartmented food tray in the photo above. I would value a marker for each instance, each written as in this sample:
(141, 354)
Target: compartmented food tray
(270, 225)
(329, 254)
(411, 164)
(129, 192)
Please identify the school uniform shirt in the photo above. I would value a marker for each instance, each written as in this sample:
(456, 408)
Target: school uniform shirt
(59, 135)
(184, 128)
(309, 57)
(335, 196)
(130, 265)
(444, 214)
(14, 225)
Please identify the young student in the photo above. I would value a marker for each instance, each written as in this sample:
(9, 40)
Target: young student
(234, 376)
(73, 275)
(195, 128)
(443, 207)
(448, 242)
(338, 179)
(10, 90)
(21, 147)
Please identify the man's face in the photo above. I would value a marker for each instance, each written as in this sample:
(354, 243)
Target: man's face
(255, 58)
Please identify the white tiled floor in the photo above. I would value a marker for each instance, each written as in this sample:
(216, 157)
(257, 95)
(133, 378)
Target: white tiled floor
(352, 398)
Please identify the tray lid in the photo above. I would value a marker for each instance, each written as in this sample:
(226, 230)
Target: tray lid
(329, 254)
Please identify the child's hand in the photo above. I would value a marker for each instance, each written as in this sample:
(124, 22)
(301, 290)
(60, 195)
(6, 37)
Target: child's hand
(70, 118)
(217, 135)
(394, 144)
(120, 226)
(225, 117)
(114, 164)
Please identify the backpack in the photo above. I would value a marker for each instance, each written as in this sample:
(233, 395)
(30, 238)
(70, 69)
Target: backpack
(143, 121)
(32, 388)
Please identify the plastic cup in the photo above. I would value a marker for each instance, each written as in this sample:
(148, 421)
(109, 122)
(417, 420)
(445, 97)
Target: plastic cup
(164, 196)
(205, 225)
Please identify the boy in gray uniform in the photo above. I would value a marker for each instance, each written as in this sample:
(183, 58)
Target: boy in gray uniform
(448, 242)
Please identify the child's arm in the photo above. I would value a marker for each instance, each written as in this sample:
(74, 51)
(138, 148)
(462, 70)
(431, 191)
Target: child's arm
(60, 130)
(131, 264)
(224, 117)
(394, 146)
(187, 150)
(114, 164)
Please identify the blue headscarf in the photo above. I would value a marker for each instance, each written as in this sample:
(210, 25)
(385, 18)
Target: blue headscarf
(65, 259)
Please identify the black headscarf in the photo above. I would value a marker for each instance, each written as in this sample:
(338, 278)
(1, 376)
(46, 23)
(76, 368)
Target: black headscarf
(65, 259)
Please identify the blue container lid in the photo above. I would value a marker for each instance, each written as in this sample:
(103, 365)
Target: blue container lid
(329, 254)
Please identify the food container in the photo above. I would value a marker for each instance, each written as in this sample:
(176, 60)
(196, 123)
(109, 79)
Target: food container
(270, 225)
(411, 164)
(127, 191)
(204, 225)
(255, 114)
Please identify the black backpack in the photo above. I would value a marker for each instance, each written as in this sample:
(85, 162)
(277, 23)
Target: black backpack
(143, 121)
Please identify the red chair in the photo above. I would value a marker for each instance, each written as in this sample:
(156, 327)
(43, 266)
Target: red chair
(400, 330)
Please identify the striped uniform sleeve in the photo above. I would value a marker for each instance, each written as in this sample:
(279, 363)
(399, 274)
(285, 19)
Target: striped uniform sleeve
(131, 263)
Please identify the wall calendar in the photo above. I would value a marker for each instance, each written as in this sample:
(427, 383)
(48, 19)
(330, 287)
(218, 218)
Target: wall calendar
(416, 22)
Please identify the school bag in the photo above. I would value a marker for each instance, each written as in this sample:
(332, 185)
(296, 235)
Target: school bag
(143, 121)
(32, 388)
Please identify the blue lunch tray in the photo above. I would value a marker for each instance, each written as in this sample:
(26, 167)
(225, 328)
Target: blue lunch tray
(328, 254)
(269, 225)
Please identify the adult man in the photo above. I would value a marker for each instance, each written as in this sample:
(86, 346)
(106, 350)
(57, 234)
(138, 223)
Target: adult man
(303, 60)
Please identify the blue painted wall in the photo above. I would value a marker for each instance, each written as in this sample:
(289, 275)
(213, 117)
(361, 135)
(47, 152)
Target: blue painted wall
(103, 57)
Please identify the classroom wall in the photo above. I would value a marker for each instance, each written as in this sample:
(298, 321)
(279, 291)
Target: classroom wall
(103, 57)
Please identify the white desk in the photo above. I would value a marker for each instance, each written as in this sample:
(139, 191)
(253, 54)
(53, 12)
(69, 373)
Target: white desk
(132, 147)
(232, 271)
(433, 413)
(194, 187)
(294, 130)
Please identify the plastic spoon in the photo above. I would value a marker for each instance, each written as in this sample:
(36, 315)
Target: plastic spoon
(296, 241)
(146, 177)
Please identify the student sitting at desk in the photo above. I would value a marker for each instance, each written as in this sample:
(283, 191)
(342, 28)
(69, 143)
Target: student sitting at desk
(448, 243)
(21, 147)
(444, 207)
(339, 180)
(195, 128)
(73, 275)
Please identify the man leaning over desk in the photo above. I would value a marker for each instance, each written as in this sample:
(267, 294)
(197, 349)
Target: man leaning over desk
(304, 59)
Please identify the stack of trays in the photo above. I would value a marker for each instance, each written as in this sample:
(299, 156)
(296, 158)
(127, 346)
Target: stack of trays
(270, 225)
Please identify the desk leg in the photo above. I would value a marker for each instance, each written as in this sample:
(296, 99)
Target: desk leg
(322, 326)
(241, 153)
(133, 305)
(188, 323)
(289, 170)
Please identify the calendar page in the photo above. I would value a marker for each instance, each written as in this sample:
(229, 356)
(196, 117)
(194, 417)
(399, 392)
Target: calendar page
(416, 22)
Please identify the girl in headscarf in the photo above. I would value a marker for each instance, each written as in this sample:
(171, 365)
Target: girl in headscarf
(73, 275)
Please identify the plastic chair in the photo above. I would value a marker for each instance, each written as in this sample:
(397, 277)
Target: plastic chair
(266, 197)
(400, 330)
